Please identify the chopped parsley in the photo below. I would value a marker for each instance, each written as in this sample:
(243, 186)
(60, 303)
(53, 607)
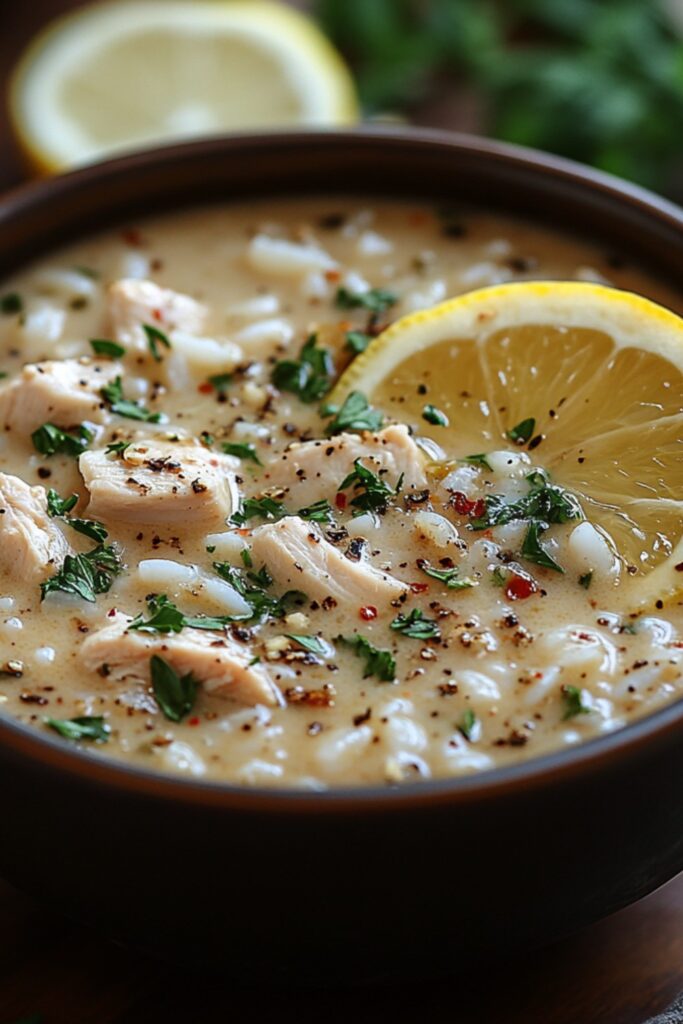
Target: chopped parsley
(86, 727)
(50, 440)
(309, 376)
(523, 432)
(573, 702)
(252, 586)
(435, 416)
(265, 508)
(533, 550)
(113, 395)
(357, 341)
(318, 512)
(60, 507)
(247, 452)
(85, 575)
(11, 302)
(206, 438)
(106, 348)
(371, 493)
(377, 662)
(470, 726)
(175, 694)
(117, 448)
(376, 300)
(155, 337)
(546, 503)
(586, 579)
(449, 577)
(164, 617)
(479, 459)
(416, 626)
(354, 415)
(312, 644)
(220, 382)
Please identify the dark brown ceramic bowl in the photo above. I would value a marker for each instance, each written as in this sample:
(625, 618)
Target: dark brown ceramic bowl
(351, 883)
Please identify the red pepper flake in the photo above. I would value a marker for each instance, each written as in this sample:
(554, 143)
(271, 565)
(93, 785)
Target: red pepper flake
(464, 507)
(517, 588)
(679, 567)
(195, 720)
(332, 275)
(416, 218)
(368, 612)
(418, 588)
(157, 314)
(340, 500)
(206, 388)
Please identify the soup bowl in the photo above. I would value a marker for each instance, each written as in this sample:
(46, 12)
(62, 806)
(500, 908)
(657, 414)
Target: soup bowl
(350, 883)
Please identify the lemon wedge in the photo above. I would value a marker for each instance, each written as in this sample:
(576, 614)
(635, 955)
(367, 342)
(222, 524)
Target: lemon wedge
(599, 370)
(118, 76)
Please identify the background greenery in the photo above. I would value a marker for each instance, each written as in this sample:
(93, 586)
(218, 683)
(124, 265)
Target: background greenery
(597, 80)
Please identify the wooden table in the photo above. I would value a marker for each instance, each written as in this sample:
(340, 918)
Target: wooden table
(619, 972)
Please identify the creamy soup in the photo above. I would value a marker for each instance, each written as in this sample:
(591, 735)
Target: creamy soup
(203, 570)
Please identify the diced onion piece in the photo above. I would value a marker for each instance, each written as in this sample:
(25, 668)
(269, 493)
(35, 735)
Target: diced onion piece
(436, 528)
(261, 305)
(275, 331)
(591, 551)
(227, 545)
(164, 572)
(278, 256)
(224, 596)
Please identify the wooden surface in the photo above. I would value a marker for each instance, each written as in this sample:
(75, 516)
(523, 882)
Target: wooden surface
(619, 972)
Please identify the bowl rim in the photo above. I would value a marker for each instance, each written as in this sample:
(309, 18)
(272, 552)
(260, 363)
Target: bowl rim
(636, 739)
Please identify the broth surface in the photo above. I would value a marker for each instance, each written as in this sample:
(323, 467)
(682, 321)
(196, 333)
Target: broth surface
(446, 680)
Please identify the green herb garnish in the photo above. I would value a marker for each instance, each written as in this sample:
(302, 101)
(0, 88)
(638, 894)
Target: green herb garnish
(247, 452)
(376, 300)
(252, 586)
(573, 702)
(10, 303)
(479, 459)
(117, 447)
(60, 507)
(371, 493)
(354, 415)
(523, 432)
(309, 377)
(220, 382)
(50, 440)
(155, 337)
(470, 726)
(377, 662)
(432, 415)
(175, 694)
(357, 341)
(546, 503)
(312, 644)
(113, 395)
(533, 550)
(85, 575)
(416, 626)
(165, 617)
(264, 508)
(449, 577)
(86, 727)
(106, 348)
(318, 512)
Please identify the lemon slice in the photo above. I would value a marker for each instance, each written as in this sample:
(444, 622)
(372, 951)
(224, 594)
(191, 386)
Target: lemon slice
(120, 76)
(601, 373)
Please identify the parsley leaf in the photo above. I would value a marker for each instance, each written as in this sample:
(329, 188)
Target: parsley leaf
(10, 303)
(371, 493)
(545, 502)
(479, 459)
(318, 512)
(220, 382)
(377, 662)
(252, 587)
(449, 577)
(355, 415)
(50, 440)
(155, 337)
(174, 694)
(106, 348)
(86, 727)
(309, 377)
(312, 644)
(376, 300)
(416, 626)
(166, 618)
(573, 702)
(85, 575)
(265, 508)
(59, 507)
(113, 394)
(533, 550)
(357, 341)
(523, 432)
(470, 726)
(432, 415)
(242, 451)
(118, 447)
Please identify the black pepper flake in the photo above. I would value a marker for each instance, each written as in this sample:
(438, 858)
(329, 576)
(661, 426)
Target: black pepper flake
(44, 472)
(363, 717)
